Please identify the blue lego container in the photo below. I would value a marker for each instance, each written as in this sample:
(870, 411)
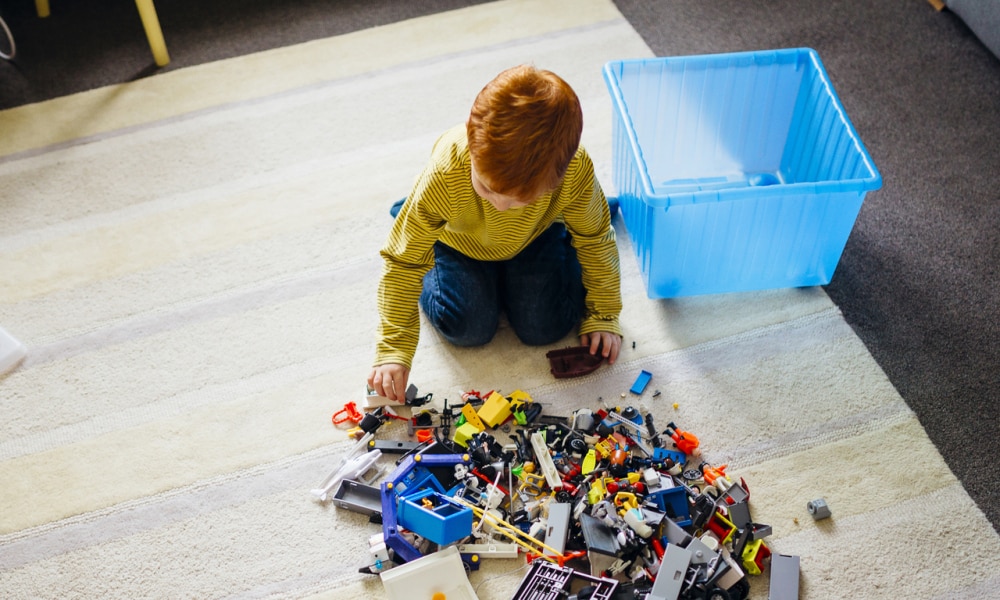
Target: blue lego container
(434, 516)
(735, 172)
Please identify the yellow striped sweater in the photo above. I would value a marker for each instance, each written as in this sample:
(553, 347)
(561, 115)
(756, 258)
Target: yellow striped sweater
(444, 207)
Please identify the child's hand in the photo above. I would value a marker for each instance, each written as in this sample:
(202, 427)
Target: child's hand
(389, 380)
(608, 343)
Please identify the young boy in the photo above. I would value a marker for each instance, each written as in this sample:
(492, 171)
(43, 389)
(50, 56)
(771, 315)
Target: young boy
(507, 216)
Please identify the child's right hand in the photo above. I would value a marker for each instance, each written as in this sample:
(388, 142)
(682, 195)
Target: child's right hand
(605, 342)
(389, 380)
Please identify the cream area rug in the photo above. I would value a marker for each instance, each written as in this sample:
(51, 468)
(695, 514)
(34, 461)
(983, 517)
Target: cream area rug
(191, 260)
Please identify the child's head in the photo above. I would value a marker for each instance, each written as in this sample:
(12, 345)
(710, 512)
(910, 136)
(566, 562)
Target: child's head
(523, 131)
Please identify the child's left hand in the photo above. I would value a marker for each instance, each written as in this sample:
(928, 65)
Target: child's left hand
(608, 343)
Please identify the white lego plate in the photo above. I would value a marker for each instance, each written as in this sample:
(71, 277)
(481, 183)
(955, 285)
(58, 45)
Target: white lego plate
(12, 352)
(440, 575)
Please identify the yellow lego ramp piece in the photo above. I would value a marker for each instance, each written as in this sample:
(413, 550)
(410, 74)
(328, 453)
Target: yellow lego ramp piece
(495, 410)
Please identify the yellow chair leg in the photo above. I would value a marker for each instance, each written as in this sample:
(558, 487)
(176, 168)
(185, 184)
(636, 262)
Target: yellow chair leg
(42, 7)
(150, 22)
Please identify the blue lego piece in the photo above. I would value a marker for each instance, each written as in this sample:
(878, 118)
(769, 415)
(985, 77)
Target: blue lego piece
(662, 454)
(472, 562)
(673, 501)
(640, 382)
(417, 479)
(412, 474)
(434, 516)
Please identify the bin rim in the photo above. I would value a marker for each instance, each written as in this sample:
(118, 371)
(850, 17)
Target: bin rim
(812, 188)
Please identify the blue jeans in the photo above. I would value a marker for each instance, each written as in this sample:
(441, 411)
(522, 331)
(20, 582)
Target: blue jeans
(540, 289)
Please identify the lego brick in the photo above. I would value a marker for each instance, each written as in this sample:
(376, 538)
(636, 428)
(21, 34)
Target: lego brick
(574, 361)
(674, 502)
(490, 550)
(438, 575)
(410, 476)
(495, 410)
(640, 382)
(731, 572)
(394, 446)
(670, 577)
(472, 417)
(12, 352)
(464, 433)
(818, 509)
(373, 400)
(434, 516)
(602, 545)
(739, 514)
(755, 556)
(358, 497)
(784, 577)
(557, 527)
(662, 454)
(544, 460)
(675, 534)
(701, 553)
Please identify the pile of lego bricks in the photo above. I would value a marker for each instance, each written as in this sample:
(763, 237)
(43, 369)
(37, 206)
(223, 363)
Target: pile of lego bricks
(602, 503)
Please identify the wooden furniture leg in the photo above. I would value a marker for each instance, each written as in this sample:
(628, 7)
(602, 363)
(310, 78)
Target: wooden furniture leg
(150, 22)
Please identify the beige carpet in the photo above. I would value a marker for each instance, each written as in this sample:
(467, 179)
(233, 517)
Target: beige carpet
(191, 260)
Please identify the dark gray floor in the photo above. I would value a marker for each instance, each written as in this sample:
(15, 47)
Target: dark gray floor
(918, 279)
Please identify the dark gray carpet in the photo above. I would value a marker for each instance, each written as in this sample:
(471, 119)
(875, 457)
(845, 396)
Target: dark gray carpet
(918, 279)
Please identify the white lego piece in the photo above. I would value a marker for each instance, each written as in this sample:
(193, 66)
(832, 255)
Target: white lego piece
(497, 550)
(544, 461)
(652, 478)
(492, 497)
(380, 553)
(437, 575)
(359, 447)
(373, 400)
(634, 519)
(12, 352)
(352, 469)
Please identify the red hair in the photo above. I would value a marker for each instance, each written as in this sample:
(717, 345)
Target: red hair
(524, 130)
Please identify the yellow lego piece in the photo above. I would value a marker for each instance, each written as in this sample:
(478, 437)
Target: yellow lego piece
(519, 396)
(729, 527)
(472, 418)
(750, 556)
(597, 492)
(464, 433)
(606, 446)
(495, 410)
(531, 484)
(625, 501)
(589, 462)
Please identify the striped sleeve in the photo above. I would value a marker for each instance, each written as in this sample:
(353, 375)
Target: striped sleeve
(588, 222)
(407, 256)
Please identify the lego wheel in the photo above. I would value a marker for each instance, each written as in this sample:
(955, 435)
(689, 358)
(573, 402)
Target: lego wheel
(740, 590)
(717, 594)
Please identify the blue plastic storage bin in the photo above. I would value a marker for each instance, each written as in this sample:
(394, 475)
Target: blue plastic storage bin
(736, 171)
